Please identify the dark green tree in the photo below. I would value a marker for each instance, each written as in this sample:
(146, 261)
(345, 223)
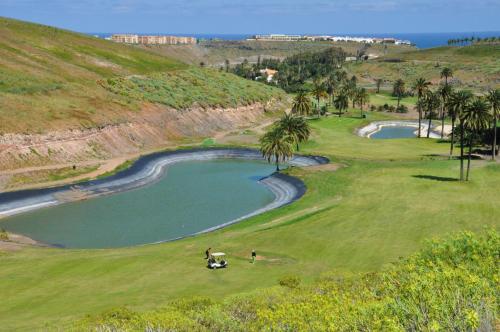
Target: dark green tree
(398, 90)
(421, 86)
(276, 146)
(476, 118)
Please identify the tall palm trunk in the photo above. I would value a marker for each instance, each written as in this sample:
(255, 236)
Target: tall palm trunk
(461, 150)
(452, 136)
(419, 120)
(318, 108)
(430, 123)
(469, 157)
(277, 162)
(442, 121)
(399, 99)
(494, 150)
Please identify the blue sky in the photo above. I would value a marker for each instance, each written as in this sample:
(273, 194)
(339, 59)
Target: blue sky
(260, 16)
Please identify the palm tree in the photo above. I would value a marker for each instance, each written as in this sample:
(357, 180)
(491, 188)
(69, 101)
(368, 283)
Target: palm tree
(476, 117)
(362, 97)
(493, 98)
(421, 86)
(295, 127)
(431, 103)
(446, 73)
(331, 85)
(276, 146)
(399, 89)
(319, 93)
(301, 104)
(341, 102)
(341, 76)
(445, 91)
(456, 104)
(351, 89)
(379, 82)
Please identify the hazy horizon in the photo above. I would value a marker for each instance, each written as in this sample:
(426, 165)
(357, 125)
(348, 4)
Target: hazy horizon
(261, 16)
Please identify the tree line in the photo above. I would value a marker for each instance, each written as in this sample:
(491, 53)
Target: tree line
(472, 40)
(473, 117)
(294, 71)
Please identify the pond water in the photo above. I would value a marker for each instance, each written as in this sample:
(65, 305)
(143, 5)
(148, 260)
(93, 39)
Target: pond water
(387, 132)
(191, 197)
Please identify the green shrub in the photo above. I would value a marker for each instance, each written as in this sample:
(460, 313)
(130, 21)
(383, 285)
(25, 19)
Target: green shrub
(402, 109)
(290, 281)
(3, 235)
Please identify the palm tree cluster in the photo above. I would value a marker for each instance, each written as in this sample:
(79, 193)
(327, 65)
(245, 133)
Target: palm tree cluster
(475, 114)
(473, 40)
(341, 90)
(277, 145)
(294, 71)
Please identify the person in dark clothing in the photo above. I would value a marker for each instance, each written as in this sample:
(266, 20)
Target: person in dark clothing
(207, 252)
(254, 256)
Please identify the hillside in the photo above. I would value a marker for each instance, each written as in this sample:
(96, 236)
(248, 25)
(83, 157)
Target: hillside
(475, 67)
(56, 79)
(217, 51)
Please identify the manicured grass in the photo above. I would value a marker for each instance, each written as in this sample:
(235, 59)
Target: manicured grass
(385, 97)
(389, 196)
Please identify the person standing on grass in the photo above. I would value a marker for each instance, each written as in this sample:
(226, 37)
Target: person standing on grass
(254, 256)
(207, 252)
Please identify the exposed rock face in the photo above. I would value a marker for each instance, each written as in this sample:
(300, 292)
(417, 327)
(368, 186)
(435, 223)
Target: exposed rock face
(154, 126)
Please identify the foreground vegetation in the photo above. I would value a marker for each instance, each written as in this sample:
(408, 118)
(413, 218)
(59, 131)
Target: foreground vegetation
(449, 285)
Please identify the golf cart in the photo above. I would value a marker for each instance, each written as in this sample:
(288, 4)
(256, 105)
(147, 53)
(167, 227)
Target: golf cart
(217, 261)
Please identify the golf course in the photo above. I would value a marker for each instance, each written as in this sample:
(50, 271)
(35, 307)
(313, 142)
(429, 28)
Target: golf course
(309, 184)
(377, 201)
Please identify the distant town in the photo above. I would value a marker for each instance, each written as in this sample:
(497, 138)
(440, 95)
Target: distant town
(181, 40)
(365, 40)
(152, 40)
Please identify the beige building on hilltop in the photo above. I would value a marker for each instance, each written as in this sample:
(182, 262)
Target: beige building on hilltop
(125, 38)
(152, 40)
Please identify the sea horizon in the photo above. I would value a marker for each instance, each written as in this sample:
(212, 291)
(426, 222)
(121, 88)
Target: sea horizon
(419, 39)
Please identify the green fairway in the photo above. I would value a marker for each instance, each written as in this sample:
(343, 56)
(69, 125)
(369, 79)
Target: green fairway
(385, 200)
(385, 97)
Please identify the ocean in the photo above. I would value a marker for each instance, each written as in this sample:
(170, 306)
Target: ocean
(421, 40)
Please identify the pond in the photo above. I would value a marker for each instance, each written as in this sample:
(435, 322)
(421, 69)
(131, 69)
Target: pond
(387, 132)
(189, 197)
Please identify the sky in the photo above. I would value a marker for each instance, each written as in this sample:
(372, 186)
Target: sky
(259, 16)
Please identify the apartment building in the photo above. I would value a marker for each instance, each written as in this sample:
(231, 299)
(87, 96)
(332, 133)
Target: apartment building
(125, 38)
(152, 40)
(278, 37)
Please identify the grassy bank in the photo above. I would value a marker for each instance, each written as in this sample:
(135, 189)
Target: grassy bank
(388, 198)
